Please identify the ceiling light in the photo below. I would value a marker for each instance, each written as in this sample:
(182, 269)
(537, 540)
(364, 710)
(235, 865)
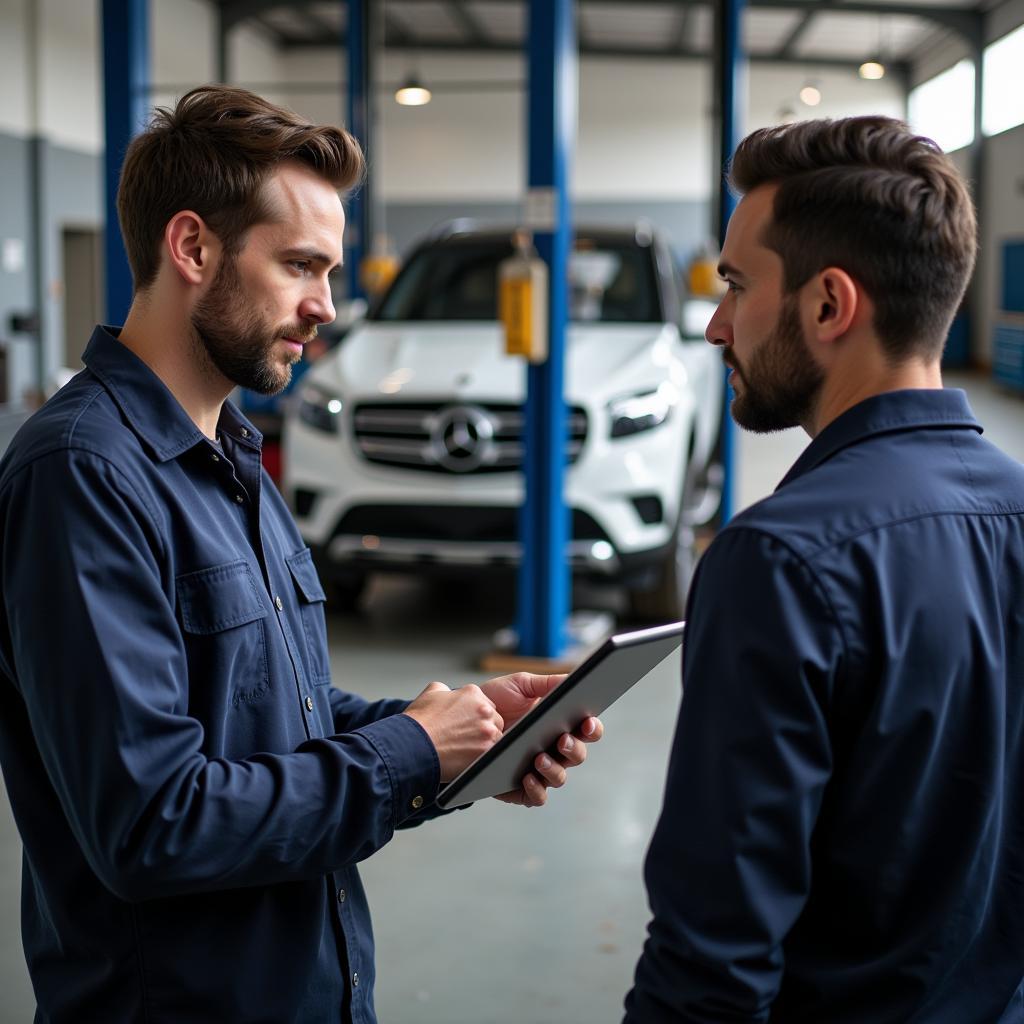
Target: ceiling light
(810, 94)
(872, 70)
(412, 93)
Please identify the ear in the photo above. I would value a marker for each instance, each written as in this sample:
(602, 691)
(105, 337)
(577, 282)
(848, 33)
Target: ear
(190, 247)
(833, 304)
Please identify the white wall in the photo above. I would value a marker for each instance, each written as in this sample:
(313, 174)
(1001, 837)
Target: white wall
(645, 126)
(14, 96)
(843, 94)
(65, 80)
(1002, 185)
(1002, 220)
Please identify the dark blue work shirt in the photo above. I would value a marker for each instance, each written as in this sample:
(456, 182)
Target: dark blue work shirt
(192, 793)
(842, 838)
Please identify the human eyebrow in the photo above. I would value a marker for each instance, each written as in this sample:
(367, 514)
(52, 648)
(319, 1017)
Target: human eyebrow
(728, 272)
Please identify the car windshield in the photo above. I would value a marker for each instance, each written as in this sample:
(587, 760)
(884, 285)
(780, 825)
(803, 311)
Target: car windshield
(609, 282)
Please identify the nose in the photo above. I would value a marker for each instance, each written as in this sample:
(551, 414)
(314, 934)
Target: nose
(719, 329)
(316, 306)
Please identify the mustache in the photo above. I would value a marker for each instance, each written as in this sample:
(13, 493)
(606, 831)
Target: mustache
(299, 333)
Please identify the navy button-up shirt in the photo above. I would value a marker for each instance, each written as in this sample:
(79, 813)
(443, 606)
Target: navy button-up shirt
(192, 794)
(842, 839)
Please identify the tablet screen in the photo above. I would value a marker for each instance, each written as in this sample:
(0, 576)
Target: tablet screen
(620, 662)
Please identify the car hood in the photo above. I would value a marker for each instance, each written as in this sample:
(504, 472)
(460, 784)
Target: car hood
(469, 360)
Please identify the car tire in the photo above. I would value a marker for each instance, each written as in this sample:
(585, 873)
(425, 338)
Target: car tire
(665, 599)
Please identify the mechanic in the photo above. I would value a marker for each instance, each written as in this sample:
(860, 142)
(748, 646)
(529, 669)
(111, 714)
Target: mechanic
(192, 793)
(841, 833)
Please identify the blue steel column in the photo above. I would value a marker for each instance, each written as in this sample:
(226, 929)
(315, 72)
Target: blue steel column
(728, 82)
(357, 41)
(125, 105)
(543, 594)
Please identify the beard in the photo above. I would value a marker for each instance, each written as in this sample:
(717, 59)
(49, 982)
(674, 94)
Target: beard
(233, 338)
(781, 383)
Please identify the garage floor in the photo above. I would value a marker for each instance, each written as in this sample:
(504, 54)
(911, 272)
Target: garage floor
(499, 915)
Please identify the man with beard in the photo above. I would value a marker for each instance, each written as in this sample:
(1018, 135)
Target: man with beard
(841, 839)
(192, 793)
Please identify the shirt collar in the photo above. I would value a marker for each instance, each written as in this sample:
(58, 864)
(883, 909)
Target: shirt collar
(152, 412)
(887, 413)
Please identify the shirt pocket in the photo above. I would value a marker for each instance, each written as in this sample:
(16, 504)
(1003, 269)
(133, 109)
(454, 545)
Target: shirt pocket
(311, 610)
(223, 616)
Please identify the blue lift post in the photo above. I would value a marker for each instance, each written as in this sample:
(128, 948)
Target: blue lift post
(728, 82)
(544, 583)
(125, 106)
(357, 42)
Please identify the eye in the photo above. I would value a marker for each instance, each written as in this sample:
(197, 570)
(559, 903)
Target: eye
(299, 266)
(732, 285)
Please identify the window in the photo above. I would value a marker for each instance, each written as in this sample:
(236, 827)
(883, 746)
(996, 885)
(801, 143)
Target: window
(610, 281)
(1002, 104)
(943, 107)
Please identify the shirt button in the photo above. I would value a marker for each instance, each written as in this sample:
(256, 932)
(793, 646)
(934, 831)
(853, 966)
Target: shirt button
(239, 499)
(215, 456)
(355, 980)
(417, 802)
(244, 432)
(278, 602)
(309, 703)
(341, 895)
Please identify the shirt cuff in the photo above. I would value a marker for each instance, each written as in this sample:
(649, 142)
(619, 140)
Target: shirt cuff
(411, 760)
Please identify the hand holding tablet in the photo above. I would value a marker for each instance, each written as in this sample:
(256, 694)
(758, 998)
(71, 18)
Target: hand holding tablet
(612, 669)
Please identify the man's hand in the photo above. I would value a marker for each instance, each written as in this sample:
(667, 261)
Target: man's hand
(461, 724)
(513, 696)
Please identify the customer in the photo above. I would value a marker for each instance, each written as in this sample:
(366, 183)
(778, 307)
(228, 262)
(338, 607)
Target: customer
(192, 793)
(841, 839)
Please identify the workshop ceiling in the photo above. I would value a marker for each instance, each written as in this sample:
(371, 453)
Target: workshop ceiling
(833, 32)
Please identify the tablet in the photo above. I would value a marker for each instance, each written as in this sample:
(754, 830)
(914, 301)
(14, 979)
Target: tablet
(621, 661)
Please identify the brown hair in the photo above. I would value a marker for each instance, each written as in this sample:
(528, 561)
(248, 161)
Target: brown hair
(885, 205)
(212, 154)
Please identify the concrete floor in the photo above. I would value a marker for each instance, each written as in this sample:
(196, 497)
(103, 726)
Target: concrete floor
(499, 915)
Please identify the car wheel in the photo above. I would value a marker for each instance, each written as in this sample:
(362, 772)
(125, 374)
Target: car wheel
(665, 599)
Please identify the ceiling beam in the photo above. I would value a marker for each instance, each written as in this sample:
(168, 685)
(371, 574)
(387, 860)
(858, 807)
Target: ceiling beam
(678, 43)
(788, 46)
(466, 21)
(601, 50)
(396, 35)
(967, 22)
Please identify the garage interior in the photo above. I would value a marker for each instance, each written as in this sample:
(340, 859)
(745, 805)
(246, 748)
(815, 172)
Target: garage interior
(492, 916)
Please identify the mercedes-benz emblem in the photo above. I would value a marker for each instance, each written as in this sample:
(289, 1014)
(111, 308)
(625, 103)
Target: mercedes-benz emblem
(463, 438)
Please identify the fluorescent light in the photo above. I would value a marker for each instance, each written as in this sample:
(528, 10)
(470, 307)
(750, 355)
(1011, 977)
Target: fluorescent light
(872, 70)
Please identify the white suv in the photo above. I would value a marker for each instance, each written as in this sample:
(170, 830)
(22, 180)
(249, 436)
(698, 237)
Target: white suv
(403, 447)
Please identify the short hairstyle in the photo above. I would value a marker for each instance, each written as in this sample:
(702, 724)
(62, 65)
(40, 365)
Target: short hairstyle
(212, 154)
(889, 207)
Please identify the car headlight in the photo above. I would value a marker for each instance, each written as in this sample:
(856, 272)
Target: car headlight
(631, 414)
(319, 408)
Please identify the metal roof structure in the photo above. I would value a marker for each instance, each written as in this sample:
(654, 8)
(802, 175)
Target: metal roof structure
(839, 33)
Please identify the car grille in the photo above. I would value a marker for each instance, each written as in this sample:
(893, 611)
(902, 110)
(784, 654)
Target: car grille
(452, 437)
(466, 523)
